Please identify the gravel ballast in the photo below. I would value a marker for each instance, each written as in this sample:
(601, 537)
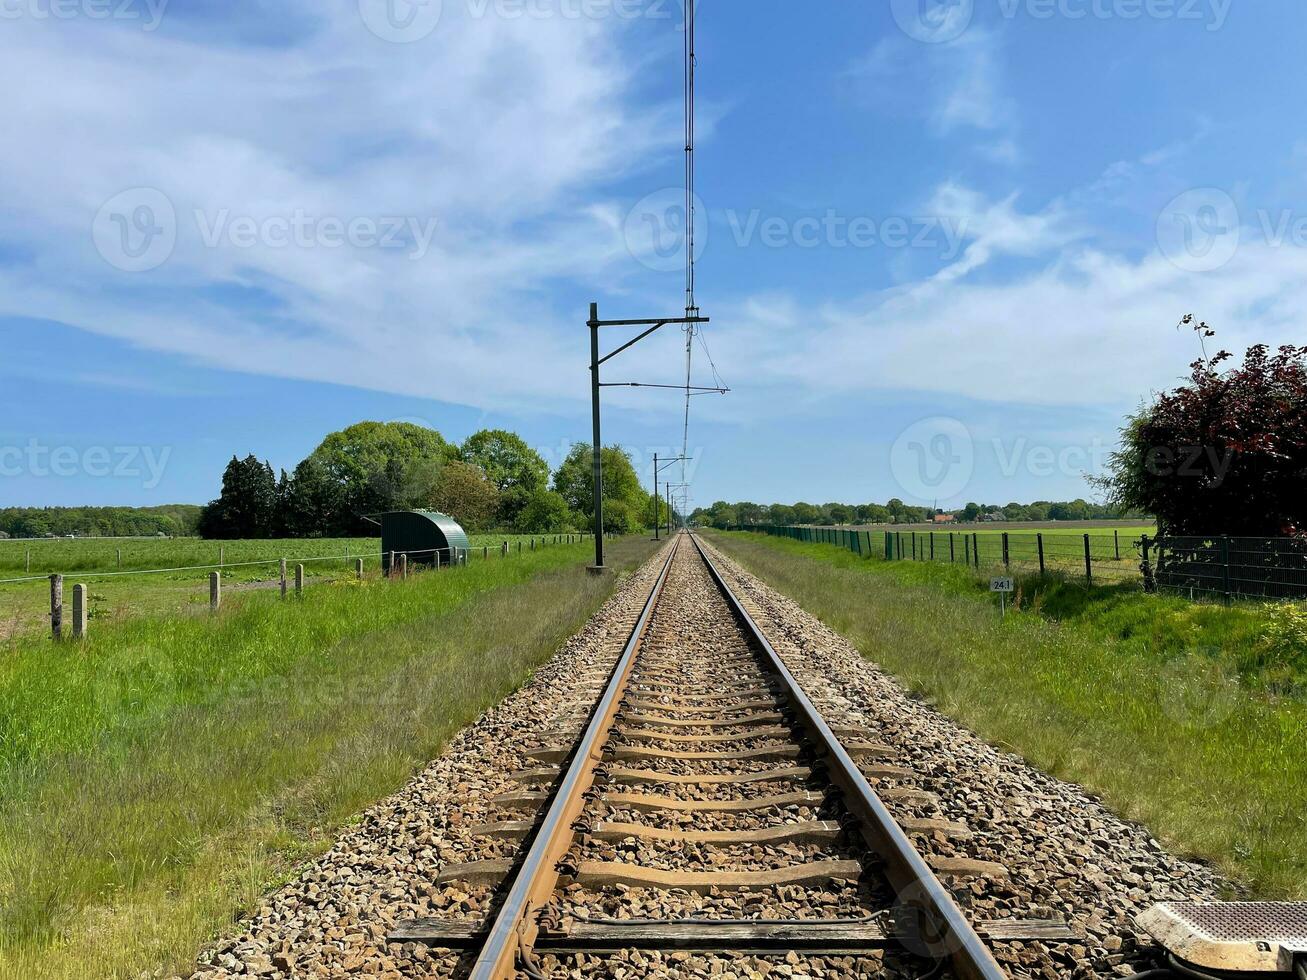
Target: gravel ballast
(1063, 855)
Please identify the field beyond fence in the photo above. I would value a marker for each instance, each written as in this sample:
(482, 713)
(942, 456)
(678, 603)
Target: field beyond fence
(126, 577)
(1212, 568)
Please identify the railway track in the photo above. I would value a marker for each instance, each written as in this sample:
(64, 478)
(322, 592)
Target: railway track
(708, 806)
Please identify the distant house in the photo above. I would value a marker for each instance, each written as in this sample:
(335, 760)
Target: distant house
(946, 518)
(994, 516)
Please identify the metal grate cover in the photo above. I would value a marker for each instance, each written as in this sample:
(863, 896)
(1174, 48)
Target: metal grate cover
(1256, 937)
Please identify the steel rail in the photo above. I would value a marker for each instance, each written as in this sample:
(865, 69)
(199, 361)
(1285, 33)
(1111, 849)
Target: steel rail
(952, 936)
(515, 927)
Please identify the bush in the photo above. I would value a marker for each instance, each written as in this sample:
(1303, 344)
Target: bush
(1225, 453)
(1281, 656)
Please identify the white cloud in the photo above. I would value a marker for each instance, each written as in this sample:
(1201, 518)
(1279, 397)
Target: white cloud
(1085, 329)
(972, 96)
(498, 129)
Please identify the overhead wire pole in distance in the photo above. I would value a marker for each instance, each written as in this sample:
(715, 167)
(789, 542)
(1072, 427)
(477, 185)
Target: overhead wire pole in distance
(658, 522)
(596, 362)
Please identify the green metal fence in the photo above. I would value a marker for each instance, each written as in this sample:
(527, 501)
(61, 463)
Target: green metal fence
(1095, 557)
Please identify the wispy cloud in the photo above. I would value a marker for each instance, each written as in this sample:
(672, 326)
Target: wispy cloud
(493, 135)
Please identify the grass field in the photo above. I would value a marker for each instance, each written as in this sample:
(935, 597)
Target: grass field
(248, 566)
(1190, 718)
(1114, 550)
(157, 779)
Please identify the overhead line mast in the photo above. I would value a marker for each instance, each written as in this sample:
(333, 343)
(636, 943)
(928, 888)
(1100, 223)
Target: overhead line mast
(691, 305)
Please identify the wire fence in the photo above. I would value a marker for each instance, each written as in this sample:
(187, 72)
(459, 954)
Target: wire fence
(287, 574)
(1221, 568)
(1108, 556)
(1227, 568)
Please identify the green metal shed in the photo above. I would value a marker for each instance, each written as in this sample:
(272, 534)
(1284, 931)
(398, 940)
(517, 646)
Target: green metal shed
(428, 538)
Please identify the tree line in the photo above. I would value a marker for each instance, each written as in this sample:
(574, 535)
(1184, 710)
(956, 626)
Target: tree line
(723, 514)
(171, 520)
(492, 481)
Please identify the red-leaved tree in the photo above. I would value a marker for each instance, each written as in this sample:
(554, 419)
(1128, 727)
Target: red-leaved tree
(1225, 453)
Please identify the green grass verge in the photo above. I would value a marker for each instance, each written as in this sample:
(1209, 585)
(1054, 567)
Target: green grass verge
(157, 779)
(1137, 698)
(183, 585)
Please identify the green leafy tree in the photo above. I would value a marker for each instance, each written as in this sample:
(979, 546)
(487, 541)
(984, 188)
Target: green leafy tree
(508, 462)
(313, 503)
(544, 511)
(574, 480)
(467, 495)
(247, 506)
(805, 513)
(381, 467)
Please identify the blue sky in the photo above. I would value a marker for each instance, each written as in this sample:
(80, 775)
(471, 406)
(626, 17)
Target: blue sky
(946, 244)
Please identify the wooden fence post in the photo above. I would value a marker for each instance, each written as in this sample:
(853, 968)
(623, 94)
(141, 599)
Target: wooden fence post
(283, 578)
(1007, 552)
(1117, 536)
(222, 555)
(29, 561)
(299, 580)
(57, 606)
(79, 612)
(1089, 563)
(215, 591)
(1043, 570)
(358, 567)
(120, 558)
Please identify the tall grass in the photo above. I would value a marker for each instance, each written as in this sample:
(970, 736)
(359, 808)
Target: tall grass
(155, 780)
(1134, 697)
